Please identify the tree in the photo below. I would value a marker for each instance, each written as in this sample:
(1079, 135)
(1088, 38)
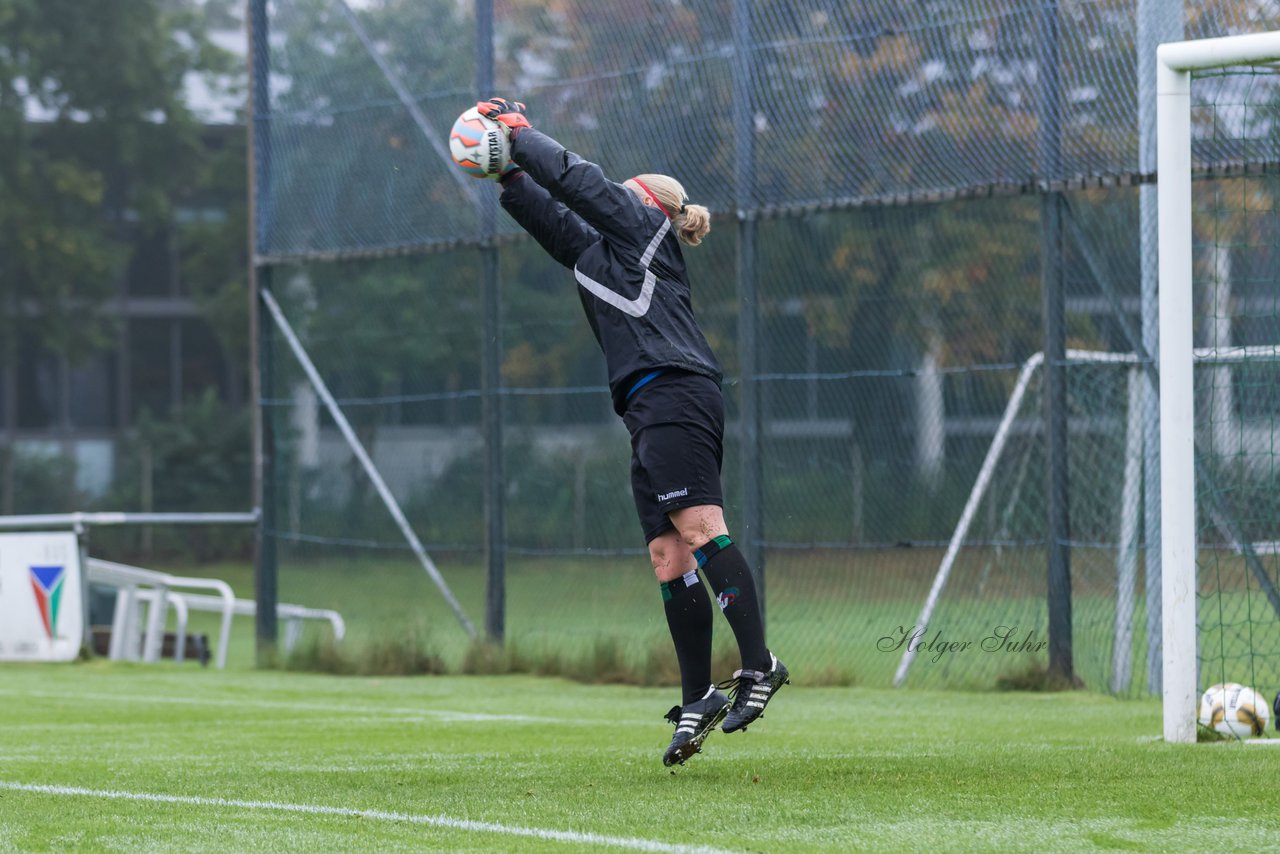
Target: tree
(95, 135)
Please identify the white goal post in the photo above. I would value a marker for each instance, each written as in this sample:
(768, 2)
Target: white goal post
(1175, 63)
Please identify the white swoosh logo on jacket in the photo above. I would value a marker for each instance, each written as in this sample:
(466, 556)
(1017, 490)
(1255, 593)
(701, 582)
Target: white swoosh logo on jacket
(639, 306)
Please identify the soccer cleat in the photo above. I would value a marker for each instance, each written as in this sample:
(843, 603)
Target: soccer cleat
(752, 691)
(694, 723)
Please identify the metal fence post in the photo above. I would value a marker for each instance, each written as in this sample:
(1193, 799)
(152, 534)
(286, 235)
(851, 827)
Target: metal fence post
(491, 366)
(751, 450)
(266, 575)
(1158, 21)
(259, 362)
(1055, 376)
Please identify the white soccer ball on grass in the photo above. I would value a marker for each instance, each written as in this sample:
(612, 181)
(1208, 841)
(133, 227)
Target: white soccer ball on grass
(1234, 710)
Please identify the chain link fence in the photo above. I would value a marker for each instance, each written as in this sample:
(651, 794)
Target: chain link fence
(882, 167)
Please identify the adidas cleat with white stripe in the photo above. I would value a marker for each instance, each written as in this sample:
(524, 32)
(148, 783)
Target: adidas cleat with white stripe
(752, 692)
(694, 723)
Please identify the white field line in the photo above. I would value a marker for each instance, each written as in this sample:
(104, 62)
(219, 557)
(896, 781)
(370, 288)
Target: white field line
(570, 836)
(385, 712)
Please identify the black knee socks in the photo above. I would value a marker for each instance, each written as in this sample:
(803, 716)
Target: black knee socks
(688, 610)
(730, 577)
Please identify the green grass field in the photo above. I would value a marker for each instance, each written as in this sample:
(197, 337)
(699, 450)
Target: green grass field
(117, 757)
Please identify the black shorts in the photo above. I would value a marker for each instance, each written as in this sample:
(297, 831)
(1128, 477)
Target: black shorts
(676, 423)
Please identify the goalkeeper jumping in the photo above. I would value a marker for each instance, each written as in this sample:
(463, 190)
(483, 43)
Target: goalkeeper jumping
(622, 242)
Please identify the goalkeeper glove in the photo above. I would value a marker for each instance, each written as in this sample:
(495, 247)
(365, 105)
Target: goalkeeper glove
(509, 114)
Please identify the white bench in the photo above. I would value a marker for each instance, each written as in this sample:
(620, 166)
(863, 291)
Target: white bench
(134, 585)
(293, 615)
(159, 590)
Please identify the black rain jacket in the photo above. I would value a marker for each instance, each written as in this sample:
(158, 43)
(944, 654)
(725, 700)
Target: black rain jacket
(624, 254)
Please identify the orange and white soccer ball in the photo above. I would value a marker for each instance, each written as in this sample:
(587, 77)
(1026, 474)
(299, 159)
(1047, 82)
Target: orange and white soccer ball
(479, 146)
(1234, 710)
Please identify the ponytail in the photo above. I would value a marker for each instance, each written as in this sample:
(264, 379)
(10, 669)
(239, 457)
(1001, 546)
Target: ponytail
(692, 222)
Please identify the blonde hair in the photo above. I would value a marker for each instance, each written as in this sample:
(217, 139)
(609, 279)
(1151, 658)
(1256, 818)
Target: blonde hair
(692, 222)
